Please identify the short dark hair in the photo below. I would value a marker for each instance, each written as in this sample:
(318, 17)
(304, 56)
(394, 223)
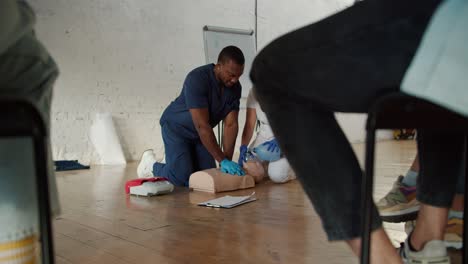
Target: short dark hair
(231, 53)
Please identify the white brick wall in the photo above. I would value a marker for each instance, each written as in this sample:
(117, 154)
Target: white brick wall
(127, 57)
(130, 57)
(276, 17)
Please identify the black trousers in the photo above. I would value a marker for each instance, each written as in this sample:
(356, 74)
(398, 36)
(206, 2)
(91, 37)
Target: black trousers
(343, 64)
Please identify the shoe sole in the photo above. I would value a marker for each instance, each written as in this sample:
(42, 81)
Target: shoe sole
(440, 260)
(455, 245)
(398, 218)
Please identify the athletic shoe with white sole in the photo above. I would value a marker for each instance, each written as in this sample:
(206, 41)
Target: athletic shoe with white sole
(400, 204)
(145, 167)
(433, 252)
(453, 236)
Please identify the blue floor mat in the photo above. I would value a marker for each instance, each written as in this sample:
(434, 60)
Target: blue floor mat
(66, 165)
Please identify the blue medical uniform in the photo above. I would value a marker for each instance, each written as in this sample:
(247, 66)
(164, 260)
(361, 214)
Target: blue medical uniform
(185, 152)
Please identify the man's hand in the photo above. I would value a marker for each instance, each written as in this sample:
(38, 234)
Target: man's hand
(268, 151)
(272, 145)
(228, 166)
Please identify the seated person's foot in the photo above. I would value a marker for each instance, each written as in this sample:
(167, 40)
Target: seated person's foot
(145, 167)
(453, 237)
(454, 233)
(433, 252)
(400, 204)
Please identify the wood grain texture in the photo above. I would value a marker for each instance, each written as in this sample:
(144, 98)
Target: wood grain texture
(101, 224)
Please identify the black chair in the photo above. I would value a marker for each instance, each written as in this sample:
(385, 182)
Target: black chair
(20, 118)
(402, 111)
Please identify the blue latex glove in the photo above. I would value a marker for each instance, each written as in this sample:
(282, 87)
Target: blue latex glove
(228, 166)
(268, 151)
(242, 155)
(272, 145)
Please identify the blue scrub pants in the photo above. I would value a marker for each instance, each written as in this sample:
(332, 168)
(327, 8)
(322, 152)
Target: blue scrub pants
(183, 157)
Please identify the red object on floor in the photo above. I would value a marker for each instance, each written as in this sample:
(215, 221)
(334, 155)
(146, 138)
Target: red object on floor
(140, 181)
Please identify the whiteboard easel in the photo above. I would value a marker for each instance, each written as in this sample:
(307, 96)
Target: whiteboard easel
(216, 38)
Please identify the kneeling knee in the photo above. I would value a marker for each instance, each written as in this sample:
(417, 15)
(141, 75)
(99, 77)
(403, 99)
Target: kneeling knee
(279, 178)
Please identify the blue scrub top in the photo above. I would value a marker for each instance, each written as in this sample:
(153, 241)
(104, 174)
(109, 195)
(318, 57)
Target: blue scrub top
(201, 90)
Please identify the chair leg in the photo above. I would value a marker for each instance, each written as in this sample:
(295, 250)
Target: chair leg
(366, 202)
(45, 223)
(465, 224)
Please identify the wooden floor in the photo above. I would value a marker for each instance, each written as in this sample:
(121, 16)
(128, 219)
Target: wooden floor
(100, 224)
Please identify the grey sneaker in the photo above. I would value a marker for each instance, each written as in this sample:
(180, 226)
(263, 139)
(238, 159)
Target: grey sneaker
(434, 252)
(400, 204)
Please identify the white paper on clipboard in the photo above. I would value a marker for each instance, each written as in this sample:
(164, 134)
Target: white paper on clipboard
(229, 201)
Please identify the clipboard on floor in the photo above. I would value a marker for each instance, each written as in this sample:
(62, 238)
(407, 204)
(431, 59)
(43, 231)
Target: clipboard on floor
(229, 201)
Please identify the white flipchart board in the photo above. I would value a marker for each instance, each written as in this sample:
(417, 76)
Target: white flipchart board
(216, 38)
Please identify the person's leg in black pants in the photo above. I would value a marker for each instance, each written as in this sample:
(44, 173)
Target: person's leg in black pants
(340, 64)
(441, 161)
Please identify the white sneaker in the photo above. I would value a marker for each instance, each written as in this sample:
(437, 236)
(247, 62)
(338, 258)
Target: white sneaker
(434, 252)
(453, 236)
(145, 167)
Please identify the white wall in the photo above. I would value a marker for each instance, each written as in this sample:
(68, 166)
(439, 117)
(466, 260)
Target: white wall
(130, 57)
(278, 17)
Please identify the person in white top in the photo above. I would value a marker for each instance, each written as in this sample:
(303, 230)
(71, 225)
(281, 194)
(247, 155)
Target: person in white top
(279, 170)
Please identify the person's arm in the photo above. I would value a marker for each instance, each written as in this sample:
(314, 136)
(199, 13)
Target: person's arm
(250, 121)
(231, 128)
(249, 127)
(200, 117)
(196, 98)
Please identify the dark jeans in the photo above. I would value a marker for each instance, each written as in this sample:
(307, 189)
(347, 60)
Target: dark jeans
(183, 157)
(343, 64)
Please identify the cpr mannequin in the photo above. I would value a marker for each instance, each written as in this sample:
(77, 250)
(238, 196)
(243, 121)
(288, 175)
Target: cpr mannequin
(255, 169)
(213, 180)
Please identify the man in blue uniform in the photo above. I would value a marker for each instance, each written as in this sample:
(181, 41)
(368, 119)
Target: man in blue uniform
(211, 93)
